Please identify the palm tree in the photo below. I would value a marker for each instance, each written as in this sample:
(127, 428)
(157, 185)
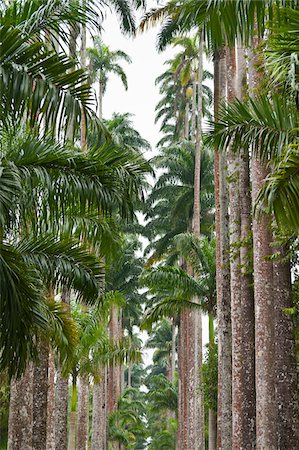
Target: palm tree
(103, 62)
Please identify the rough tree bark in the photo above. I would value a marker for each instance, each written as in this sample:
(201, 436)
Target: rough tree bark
(83, 414)
(212, 417)
(73, 416)
(20, 412)
(224, 422)
(61, 397)
(61, 411)
(243, 387)
(99, 413)
(114, 372)
(50, 445)
(195, 401)
(40, 397)
(285, 359)
(266, 416)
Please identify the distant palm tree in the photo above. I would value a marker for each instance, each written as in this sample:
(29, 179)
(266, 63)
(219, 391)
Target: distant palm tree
(104, 62)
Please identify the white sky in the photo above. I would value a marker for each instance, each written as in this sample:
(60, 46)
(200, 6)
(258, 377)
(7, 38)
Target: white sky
(142, 95)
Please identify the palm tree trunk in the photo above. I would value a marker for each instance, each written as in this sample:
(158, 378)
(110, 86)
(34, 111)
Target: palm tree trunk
(285, 359)
(83, 414)
(193, 116)
(114, 372)
(20, 412)
(73, 418)
(212, 429)
(240, 420)
(183, 381)
(51, 404)
(224, 425)
(62, 396)
(61, 411)
(40, 397)
(243, 376)
(100, 100)
(195, 431)
(99, 413)
(212, 418)
(266, 417)
(173, 350)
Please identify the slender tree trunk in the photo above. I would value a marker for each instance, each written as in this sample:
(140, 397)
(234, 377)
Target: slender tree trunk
(266, 417)
(285, 359)
(40, 397)
(183, 380)
(83, 414)
(73, 417)
(20, 412)
(100, 98)
(99, 413)
(212, 430)
(195, 431)
(218, 93)
(61, 411)
(224, 426)
(242, 306)
(173, 350)
(193, 115)
(51, 404)
(61, 397)
(212, 418)
(113, 371)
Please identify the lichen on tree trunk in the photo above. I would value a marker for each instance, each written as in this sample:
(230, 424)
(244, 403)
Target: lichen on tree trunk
(285, 359)
(224, 423)
(83, 414)
(20, 412)
(99, 413)
(40, 397)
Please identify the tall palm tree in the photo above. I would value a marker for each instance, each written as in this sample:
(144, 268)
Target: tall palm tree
(104, 62)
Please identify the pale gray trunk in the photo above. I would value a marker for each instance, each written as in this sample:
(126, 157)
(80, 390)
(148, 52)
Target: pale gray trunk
(61, 411)
(40, 397)
(99, 414)
(173, 351)
(193, 114)
(72, 432)
(212, 430)
(20, 412)
(61, 396)
(224, 426)
(195, 431)
(183, 380)
(83, 414)
(100, 100)
(51, 404)
(243, 388)
(235, 274)
(285, 359)
(264, 320)
(114, 369)
(266, 414)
